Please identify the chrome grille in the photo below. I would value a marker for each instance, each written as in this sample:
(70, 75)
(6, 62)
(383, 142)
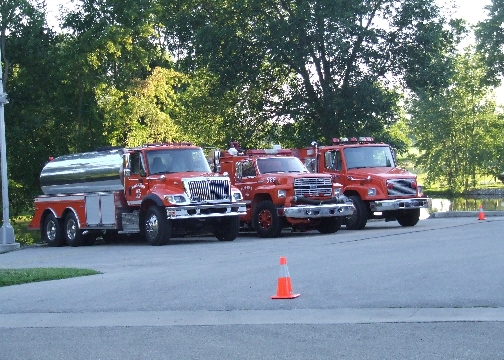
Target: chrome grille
(401, 187)
(318, 186)
(203, 189)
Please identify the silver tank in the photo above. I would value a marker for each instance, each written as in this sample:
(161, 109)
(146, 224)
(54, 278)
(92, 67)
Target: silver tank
(83, 172)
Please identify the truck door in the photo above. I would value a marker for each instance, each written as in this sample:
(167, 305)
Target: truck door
(246, 179)
(333, 163)
(135, 184)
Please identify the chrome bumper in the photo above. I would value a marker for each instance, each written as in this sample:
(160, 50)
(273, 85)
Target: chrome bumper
(400, 204)
(205, 211)
(318, 211)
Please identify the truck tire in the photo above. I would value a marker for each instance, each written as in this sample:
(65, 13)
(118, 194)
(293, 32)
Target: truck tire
(52, 232)
(71, 231)
(228, 228)
(266, 220)
(329, 225)
(408, 217)
(358, 220)
(156, 228)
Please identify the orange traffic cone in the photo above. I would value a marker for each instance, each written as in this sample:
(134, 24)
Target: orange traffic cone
(284, 286)
(481, 214)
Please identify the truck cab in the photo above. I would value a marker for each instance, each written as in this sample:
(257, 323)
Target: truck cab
(368, 171)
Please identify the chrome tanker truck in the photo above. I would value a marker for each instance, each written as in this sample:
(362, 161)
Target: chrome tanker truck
(158, 191)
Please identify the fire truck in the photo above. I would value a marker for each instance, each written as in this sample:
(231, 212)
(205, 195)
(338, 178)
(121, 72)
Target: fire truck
(370, 178)
(157, 191)
(280, 192)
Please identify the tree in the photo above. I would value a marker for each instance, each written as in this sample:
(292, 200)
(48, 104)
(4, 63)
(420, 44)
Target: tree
(325, 67)
(490, 40)
(141, 114)
(457, 130)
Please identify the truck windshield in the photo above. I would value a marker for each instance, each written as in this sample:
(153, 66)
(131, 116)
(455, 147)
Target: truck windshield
(368, 157)
(177, 160)
(280, 165)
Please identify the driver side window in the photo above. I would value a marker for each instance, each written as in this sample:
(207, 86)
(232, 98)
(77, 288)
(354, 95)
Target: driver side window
(332, 160)
(248, 169)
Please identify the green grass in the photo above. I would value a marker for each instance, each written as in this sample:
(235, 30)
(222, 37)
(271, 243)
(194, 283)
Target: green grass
(28, 275)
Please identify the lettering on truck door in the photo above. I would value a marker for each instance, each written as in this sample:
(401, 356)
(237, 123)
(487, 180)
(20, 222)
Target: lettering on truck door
(135, 185)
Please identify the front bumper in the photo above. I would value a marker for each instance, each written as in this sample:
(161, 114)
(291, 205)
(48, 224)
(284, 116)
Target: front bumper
(205, 211)
(318, 211)
(400, 204)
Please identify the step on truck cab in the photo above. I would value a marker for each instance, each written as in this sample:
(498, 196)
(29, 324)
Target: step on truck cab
(371, 179)
(280, 192)
(158, 191)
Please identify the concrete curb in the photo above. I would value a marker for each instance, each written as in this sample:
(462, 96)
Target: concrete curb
(474, 214)
(9, 247)
(251, 317)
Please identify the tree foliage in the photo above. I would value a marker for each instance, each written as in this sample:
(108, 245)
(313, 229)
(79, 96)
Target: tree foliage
(457, 130)
(324, 67)
(143, 113)
(490, 41)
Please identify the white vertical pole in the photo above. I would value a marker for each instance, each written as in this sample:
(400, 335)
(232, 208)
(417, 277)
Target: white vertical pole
(6, 232)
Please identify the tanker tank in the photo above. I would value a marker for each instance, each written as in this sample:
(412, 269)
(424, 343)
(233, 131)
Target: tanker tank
(83, 172)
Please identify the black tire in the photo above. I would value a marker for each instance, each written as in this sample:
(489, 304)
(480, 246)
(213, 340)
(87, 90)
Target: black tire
(228, 228)
(156, 228)
(71, 231)
(358, 220)
(52, 231)
(330, 225)
(267, 223)
(408, 217)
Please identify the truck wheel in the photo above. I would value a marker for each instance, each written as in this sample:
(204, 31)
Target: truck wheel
(52, 233)
(358, 220)
(72, 233)
(228, 228)
(156, 228)
(408, 217)
(329, 225)
(266, 220)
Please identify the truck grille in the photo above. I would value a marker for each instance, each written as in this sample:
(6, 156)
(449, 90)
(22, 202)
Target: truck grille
(313, 187)
(401, 187)
(208, 189)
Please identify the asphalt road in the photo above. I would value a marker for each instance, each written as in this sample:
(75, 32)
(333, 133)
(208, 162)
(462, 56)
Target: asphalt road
(433, 291)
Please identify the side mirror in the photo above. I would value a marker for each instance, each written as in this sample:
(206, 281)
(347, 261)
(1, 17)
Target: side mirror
(216, 161)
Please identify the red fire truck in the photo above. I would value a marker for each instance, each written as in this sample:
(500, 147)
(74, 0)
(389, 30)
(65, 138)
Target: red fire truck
(158, 191)
(370, 178)
(280, 192)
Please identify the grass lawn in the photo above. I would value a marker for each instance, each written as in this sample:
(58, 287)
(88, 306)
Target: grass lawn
(28, 275)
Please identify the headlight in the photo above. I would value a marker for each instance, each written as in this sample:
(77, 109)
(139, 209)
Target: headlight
(371, 192)
(176, 199)
(336, 191)
(282, 193)
(237, 196)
